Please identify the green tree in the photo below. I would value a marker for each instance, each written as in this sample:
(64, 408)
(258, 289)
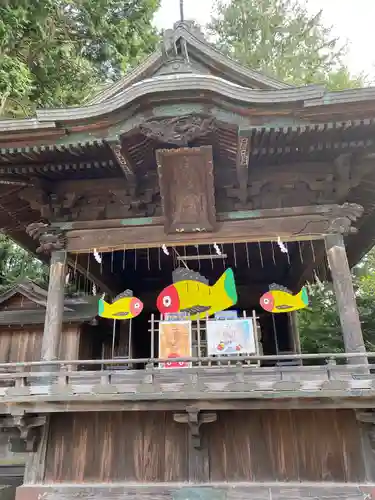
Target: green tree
(319, 324)
(16, 264)
(57, 52)
(281, 38)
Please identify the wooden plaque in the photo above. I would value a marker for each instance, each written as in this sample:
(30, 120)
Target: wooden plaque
(187, 189)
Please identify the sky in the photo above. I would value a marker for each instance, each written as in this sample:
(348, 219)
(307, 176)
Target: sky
(352, 21)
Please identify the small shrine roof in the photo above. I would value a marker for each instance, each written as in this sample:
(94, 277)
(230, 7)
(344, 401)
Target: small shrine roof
(30, 308)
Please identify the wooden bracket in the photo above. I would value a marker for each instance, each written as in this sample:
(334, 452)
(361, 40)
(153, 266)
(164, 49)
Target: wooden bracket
(50, 238)
(123, 161)
(195, 418)
(24, 432)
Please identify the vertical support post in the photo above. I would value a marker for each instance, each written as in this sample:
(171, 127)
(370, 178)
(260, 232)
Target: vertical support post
(36, 462)
(294, 332)
(346, 303)
(55, 306)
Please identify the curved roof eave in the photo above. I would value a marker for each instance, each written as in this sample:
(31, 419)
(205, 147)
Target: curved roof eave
(309, 97)
(173, 83)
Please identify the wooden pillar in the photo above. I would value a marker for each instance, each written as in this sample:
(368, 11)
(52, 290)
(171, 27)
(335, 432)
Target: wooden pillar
(346, 303)
(55, 306)
(294, 332)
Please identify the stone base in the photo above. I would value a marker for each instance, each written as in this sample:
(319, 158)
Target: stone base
(213, 491)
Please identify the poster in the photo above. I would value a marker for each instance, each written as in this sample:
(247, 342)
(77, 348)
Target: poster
(230, 337)
(174, 342)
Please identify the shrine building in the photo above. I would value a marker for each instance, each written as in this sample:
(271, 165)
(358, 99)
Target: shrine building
(183, 213)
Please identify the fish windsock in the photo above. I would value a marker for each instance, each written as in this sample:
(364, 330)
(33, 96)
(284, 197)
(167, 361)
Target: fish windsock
(192, 294)
(124, 306)
(281, 300)
(102, 307)
(227, 284)
(303, 296)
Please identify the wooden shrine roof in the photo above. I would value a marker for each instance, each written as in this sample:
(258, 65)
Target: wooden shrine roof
(25, 304)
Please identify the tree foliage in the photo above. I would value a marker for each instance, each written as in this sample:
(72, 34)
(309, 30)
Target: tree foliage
(281, 38)
(57, 52)
(319, 324)
(16, 264)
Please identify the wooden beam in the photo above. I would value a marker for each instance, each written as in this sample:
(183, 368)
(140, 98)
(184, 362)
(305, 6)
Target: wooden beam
(262, 225)
(345, 297)
(95, 405)
(208, 490)
(333, 211)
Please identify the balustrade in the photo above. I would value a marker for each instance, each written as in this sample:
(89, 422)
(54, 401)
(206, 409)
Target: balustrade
(231, 377)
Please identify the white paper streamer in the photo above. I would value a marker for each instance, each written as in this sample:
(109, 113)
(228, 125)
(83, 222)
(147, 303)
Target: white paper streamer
(217, 249)
(97, 256)
(165, 249)
(94, 289)
(282, 247)
(67, 278)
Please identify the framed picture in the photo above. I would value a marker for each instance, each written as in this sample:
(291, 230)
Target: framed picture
(175, 342)
(234, 336)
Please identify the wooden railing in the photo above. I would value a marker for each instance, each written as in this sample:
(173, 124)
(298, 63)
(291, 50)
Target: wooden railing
(232, 377)
(330, 361)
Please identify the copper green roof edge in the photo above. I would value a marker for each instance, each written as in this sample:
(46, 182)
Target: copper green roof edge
(187, 82)
(344, 97)
(54, 147)
(310, 127)
(10, 125)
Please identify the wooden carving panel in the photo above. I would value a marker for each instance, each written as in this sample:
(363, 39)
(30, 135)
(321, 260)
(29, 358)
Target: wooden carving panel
(95, 199)
(187, 189)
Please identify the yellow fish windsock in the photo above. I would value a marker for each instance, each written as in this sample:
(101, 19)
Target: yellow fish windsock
(124, 306)
(191, 293)
(281, 300)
